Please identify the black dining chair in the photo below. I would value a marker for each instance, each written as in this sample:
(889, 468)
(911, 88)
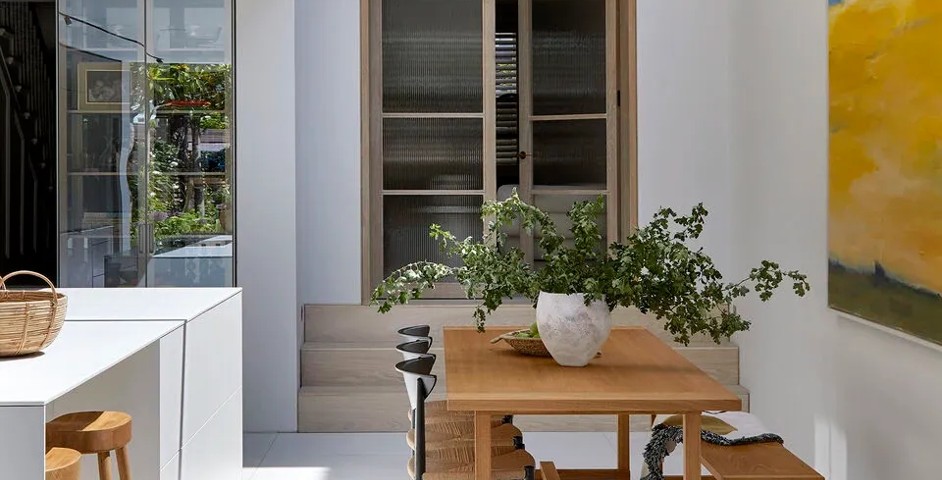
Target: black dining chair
(436, 411)
(416, 332)
(452, 463)
(415, 348)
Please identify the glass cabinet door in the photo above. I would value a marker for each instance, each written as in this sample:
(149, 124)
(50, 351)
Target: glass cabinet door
(191, 154)
(146, 160)
(102, 143)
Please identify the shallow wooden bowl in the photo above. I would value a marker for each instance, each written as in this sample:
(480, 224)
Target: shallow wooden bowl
(533, 347)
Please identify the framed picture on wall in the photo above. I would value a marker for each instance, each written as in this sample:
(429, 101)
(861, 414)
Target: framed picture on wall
(103, 87)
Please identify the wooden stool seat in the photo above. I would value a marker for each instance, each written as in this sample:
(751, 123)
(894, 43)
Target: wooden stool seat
(90, 432)
(510, 466)
(63, 464)
(94, 433)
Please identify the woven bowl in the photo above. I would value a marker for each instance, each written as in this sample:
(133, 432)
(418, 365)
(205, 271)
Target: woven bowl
(533, 347)
(29, 320)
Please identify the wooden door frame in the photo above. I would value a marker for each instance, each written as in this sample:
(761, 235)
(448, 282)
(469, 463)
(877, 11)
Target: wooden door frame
(626, 183)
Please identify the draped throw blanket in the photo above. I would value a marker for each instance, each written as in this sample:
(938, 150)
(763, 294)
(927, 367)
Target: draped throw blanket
(664, 440)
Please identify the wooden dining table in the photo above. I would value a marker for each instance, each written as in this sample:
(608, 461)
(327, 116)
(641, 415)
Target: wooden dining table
(635, 374)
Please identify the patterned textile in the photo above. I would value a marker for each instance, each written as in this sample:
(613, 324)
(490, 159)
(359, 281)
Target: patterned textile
(664, 440)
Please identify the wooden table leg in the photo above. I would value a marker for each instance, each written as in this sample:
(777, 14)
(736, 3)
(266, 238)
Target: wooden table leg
(692, 423)
(482, 446)
(624, 456)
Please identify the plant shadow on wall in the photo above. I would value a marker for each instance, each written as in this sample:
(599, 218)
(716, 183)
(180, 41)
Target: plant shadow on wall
(188, 189)
(653, 269)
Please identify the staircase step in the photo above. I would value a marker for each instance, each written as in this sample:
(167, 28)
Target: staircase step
(350, 384)
(358, 323)
(332, 364)
(383, 409)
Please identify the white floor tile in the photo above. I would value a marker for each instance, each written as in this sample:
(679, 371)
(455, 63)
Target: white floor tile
(296, 473)
(296, 449)
(572, 450)
(254, 448)
(358, 456)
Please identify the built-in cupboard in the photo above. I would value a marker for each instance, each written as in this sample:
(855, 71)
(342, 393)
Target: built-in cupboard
(145, 143)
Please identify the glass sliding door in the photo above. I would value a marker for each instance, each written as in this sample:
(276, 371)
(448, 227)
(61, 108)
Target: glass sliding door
(146, 161)
(102, 143)
(191, 155)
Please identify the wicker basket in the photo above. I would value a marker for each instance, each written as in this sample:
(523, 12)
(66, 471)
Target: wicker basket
(533, 347)
(29, 320)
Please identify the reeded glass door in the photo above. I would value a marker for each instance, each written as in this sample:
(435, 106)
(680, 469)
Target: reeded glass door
(435, 124)
(471, 100)
(568, 109)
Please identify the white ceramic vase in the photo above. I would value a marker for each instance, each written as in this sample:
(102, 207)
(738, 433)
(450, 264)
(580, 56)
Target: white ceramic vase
(572, 331)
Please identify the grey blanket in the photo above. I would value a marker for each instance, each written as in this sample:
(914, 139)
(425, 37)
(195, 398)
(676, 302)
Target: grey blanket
(664, 439)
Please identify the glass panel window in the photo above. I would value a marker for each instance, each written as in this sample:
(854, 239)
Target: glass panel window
(407, 219)
(434, 154)
(432, 56)
(568, 57)
(558, 206)
(570, 153)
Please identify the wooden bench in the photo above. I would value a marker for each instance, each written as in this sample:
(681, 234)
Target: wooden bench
(762, 461)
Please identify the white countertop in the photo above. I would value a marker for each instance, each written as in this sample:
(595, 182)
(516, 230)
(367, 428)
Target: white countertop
(185, 304)
(82, 351)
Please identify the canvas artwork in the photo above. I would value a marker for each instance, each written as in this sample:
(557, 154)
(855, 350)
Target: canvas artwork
(885, 213)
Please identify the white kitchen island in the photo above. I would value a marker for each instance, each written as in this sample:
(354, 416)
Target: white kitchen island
(171, 358)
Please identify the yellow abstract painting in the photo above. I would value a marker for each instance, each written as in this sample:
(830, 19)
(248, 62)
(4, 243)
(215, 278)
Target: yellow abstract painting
(885, 212)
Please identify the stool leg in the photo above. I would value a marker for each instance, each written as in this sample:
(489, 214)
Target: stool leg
(104, 466)
(124, 464)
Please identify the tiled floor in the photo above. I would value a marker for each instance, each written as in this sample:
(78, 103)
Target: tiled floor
(359, 456)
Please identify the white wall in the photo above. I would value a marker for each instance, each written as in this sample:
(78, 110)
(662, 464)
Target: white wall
(683, 113)
(858, 402)
(265, 207)
(328, 120)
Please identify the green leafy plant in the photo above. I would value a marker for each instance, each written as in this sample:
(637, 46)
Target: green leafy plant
(654, 269)
(183, 223)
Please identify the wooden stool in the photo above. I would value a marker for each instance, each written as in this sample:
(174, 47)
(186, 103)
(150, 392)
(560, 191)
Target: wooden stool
(63, 464)
(94, 433)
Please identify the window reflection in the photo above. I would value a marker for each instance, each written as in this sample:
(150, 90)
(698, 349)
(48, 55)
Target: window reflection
(146, 157)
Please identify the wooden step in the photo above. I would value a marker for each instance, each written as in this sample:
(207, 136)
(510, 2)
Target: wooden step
(331, 364)
(350, 408)
(362, 324)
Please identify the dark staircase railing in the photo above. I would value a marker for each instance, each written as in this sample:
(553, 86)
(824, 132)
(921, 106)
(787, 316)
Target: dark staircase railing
(27, 144)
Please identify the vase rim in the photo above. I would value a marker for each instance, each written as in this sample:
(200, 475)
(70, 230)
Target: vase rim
(562, 294)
